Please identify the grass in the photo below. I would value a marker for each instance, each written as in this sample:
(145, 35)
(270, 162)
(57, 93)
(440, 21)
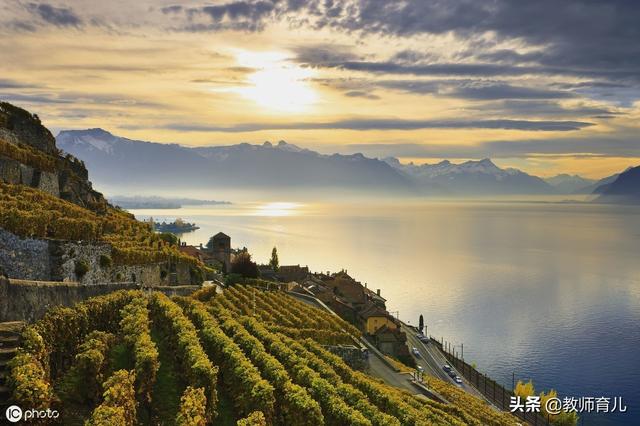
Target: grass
(169, 385)
(121, 358)
(399, 365)
(225, 409)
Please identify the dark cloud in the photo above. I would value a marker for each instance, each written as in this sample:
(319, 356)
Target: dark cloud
(361, 94)
(58, 16)
(172, 9)
(457, 88)
(576, 34)
(238, 15)
(595, 147)
(34, 98)
(12, 84)
(545, 108)
(390, 124)
(320, 54)
(596, 38)
(507, 91)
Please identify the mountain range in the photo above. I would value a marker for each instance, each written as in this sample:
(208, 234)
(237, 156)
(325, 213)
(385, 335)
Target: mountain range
(624, 189)
(119, 162)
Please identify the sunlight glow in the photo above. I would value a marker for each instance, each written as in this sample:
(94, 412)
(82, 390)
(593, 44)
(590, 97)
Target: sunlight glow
(277, 84)
(277, 209)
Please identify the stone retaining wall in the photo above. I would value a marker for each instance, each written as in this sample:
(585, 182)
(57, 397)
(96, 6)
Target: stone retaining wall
(22, 300)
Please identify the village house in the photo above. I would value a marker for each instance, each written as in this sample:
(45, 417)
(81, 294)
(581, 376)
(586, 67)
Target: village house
(375, 318)
(391, 341)
(288, 273)
(192, 251)
(219, 251)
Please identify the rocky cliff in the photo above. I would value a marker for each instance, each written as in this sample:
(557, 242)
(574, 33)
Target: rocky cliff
(29, 156)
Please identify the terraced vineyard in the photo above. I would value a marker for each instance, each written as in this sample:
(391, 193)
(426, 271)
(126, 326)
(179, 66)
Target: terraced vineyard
(31, 213)
(247, 356)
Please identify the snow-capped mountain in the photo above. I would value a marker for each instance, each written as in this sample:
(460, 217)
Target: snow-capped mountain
(570, 184)
(473, 177)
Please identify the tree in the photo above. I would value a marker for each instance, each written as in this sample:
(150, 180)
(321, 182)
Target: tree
(169, 238)
(243, 265)
(421, 324)
(274, 262)
(523, 390)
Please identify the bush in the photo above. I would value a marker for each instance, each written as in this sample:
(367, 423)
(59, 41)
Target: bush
(82, 382)
(233, 279)
(81, 268)
(136, 333)
(243, 265)
(169, 238)
(193, 405)
(119, 406)
(105, 261)
(194, 362)
(254, 419)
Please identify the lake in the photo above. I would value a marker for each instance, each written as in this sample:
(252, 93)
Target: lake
(548, 291)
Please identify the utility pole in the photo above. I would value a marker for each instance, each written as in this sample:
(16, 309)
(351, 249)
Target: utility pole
(462, 349)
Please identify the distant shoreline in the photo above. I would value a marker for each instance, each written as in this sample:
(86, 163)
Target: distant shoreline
(161, 203)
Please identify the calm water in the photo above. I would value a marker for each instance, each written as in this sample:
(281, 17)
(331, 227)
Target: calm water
(548, 291)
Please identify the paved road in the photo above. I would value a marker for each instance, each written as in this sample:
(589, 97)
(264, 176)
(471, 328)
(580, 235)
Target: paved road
(381, 370)
(432, 360)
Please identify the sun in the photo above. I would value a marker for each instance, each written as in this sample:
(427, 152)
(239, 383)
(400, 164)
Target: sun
(277, 84)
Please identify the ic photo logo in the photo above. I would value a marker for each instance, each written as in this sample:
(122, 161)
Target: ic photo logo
(14, 414)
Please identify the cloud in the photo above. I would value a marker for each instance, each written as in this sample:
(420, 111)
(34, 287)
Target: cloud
(58, 16)
(389, 124)
(361, 94)
(12, 84)
(594, 147)
(507, 91)
(34, 98)
(545, 108)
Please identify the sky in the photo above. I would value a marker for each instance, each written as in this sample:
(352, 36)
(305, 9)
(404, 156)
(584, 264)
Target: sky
(546, 86)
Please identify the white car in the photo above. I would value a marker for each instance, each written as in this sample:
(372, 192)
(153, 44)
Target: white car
(458, 380)
(416, 352)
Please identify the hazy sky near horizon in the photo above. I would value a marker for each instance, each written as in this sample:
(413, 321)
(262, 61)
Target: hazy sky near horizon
(544, 86)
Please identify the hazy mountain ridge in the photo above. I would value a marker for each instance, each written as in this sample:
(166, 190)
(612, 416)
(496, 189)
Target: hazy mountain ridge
(120, 162)
(571, 184)
(624, 189)
(474, 177)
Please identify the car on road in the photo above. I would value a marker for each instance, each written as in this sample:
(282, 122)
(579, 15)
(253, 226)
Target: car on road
(420, 369)
(458, 380)
(446, 368)
(416, 352)
(452, 374)
(422, 337)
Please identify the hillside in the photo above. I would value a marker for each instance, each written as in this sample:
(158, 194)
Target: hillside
(624, 189)
(211, 359)
(55, 227)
